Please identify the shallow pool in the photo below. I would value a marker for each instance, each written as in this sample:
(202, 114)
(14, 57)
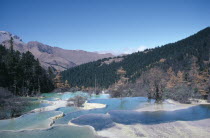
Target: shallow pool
(117, 110)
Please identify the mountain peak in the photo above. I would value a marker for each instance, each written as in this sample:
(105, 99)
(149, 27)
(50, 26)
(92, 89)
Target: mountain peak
(5, 36)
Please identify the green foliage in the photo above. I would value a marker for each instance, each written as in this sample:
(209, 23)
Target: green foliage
(176, 55)
(22, 74)
(84, 75)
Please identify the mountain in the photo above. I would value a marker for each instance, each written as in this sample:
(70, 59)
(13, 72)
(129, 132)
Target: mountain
(58, 58)
(186, 60)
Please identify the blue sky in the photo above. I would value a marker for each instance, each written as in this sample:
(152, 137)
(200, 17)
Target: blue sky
(104, 25)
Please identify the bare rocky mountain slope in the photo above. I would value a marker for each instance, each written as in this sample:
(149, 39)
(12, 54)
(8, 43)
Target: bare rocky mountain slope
(58, 58)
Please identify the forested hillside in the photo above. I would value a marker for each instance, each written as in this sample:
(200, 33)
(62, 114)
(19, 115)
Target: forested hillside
(188, 55)
(22, 74)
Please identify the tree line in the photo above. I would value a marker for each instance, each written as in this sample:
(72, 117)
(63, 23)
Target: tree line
(22, 74)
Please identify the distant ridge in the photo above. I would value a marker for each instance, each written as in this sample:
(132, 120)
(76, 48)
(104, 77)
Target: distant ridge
(55, 57)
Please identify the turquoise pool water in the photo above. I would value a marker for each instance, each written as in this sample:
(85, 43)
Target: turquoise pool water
(117, 110)
(65, 131)
(67, 95)
(29, 121)
(129, 103)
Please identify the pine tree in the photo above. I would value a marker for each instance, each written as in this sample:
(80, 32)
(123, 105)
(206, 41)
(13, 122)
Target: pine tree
(22, 74)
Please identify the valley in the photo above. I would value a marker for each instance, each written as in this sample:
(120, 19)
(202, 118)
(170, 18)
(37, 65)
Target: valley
(104, 69)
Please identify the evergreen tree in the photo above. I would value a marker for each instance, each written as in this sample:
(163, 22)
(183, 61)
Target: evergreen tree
(22, 74)
(175, 55)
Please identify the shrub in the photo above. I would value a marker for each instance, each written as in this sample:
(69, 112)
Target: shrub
(12, 107)
(208, 99)
(181, 93)
(77, 101)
